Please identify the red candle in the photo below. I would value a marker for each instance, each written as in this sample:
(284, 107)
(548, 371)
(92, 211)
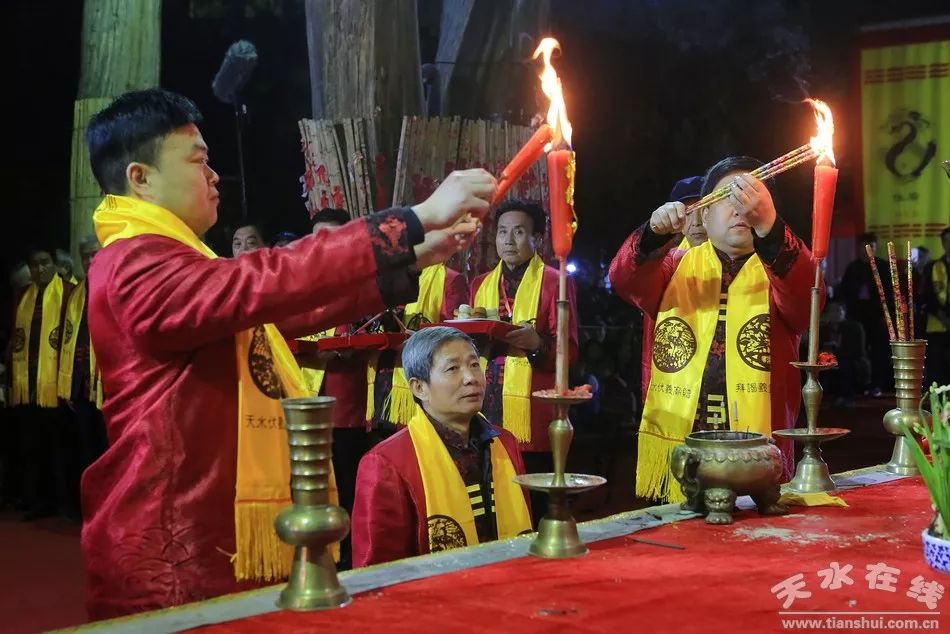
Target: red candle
(826, 179)
(561, 187)
(524, 159)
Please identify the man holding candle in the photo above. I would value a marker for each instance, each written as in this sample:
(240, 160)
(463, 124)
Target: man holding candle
(729, 316)
(192, 371)
(525, 291)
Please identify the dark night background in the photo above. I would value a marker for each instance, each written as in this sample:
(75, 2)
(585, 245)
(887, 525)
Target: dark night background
(656, 90)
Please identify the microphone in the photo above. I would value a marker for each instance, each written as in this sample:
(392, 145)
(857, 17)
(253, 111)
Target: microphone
(239, 62)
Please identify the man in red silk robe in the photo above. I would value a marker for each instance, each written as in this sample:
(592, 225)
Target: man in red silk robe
(744, 224)
(519, 231)
(159, 504)
(390, 517)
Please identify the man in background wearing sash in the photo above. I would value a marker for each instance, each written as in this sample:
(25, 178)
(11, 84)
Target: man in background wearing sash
(525, 291)
(729, 316)
(446, 480)
(191, 348)
(935, 296)
(34, 370)
(79, 384)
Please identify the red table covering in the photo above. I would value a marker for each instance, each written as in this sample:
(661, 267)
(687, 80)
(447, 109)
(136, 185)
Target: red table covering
(726, 579)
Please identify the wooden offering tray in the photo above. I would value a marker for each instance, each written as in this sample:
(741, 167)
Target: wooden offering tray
(494, 328)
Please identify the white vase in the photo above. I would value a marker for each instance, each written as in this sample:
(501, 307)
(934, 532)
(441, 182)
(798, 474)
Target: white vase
(936, 551)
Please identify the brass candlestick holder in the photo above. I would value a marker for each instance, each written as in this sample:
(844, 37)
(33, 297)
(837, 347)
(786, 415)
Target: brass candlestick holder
(557, 536)
(557, 532)
(312, 523)
(811, 472)
(908, 358)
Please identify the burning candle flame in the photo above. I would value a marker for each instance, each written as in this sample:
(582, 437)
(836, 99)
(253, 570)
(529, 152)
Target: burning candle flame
(551, 85)
(822, 142)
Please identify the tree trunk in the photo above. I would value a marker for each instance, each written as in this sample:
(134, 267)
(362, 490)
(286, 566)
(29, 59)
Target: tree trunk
(121, 47)
(484, 57)
(364, 63)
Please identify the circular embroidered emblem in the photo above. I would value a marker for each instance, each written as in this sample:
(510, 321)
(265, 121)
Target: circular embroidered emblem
(445, 533)
(261, 365)
(753, 343)
(54, 338)
(19, 340)
(68, 331)
(674, 344)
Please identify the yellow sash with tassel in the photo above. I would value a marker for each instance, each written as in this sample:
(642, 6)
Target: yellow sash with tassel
(399, 406)
(314, 376)
(450, 518)
(685, 326)
(516, 391)
(266, 372)
(67, 349)
(47, 367)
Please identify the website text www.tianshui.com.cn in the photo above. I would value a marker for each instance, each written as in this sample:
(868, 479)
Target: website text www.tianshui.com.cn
(920, 622)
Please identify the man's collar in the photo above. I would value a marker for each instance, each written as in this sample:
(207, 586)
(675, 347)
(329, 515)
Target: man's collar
(516, 272)
(727, 258)
(479, 429)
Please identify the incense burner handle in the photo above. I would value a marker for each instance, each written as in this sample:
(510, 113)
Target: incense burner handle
(684, 464)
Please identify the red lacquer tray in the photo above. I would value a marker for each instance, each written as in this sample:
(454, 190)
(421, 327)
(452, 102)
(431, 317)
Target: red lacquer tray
(364, 341)
(492, 327)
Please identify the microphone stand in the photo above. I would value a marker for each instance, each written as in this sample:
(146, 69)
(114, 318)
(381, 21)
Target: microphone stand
(239, 111)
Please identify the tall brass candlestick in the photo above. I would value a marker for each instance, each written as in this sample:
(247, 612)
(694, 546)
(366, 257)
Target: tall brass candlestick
(811, 473)
(557, 532)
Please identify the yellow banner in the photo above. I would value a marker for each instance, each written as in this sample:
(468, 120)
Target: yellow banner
(905, 133)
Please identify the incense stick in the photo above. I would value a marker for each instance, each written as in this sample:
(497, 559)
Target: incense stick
(771, 169)
(640, 540)
(880, 291)
(910, 295)
(898, 296)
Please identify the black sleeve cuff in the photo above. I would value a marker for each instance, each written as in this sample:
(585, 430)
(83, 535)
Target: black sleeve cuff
(389, 232)
(414, 227)
(779, 250)
(772, 244)
(649, 242)
(398, 287)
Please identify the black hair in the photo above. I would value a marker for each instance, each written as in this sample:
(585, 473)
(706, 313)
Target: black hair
(337, 216)
(727, 166)
(33, 249)
(130, 129)
(943, 234)
(534, 212)
(867, 238)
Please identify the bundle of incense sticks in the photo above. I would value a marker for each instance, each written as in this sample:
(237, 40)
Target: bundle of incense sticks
(774, 167)
(880, 291)
(903, 307)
